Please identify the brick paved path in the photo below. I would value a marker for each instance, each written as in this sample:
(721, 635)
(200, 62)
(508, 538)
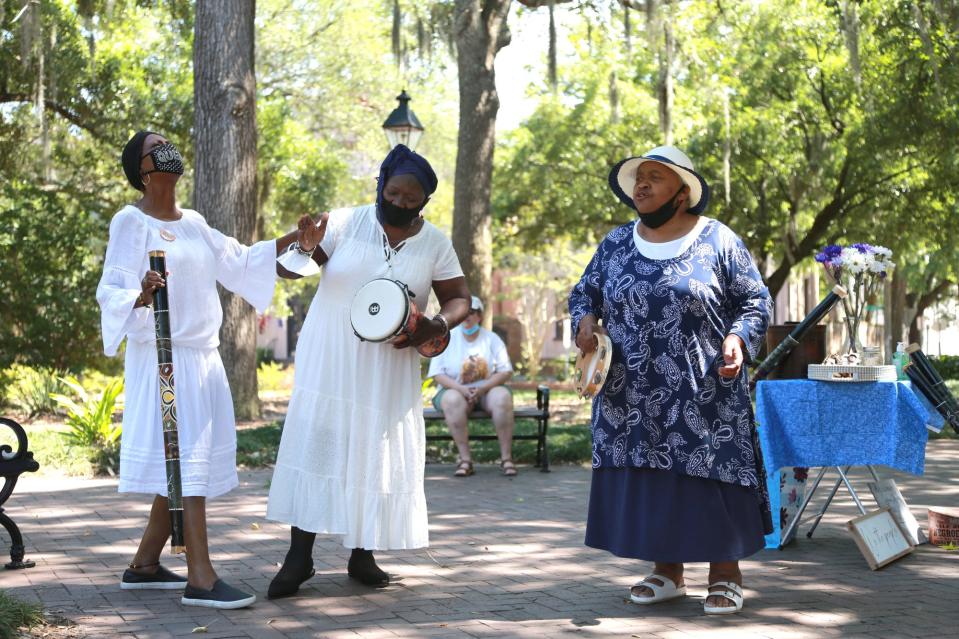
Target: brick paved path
(507, 561)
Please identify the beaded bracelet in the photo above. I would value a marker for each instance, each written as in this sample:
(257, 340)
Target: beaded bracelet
(299, 249)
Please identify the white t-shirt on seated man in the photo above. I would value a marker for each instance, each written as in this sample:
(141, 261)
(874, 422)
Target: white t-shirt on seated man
(472, 373)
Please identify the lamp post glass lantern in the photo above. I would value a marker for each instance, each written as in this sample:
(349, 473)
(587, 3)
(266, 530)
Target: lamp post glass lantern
(402, 126)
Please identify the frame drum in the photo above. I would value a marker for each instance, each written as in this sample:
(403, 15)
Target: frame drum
(591, 369)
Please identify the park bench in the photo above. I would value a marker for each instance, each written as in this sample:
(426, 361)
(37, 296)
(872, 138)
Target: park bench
(539, 414)
(12, 465)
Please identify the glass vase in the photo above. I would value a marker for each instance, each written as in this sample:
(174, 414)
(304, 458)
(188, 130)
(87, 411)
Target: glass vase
(853, 344)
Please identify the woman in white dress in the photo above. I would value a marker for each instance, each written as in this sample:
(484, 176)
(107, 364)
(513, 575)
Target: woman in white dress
(353, 447)
(197, 257)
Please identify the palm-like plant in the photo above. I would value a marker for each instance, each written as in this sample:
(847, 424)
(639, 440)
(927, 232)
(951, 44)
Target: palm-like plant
(90, 416)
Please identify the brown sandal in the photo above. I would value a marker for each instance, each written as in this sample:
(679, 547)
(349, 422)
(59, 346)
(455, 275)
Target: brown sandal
(464, 468)
(509, 468)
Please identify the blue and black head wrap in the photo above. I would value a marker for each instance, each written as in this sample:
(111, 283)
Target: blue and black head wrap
(402, 161)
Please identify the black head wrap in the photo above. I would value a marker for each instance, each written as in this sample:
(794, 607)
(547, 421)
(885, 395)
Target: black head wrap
(131, 157)
(401, 161)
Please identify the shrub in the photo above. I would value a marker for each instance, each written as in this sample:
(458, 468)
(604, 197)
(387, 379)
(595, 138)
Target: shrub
(90, 420)
(48, 280)
(947, 365)
(15, 614)
(94, 380)
(271, 376)
(258, 446)
(428, 388)
(31, 389)
(558, 368)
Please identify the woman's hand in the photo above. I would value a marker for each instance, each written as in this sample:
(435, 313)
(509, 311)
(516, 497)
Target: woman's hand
(585, 340)
(472, 395)
(150, 282)
(310, 233)
(426, 329)
(732, 356)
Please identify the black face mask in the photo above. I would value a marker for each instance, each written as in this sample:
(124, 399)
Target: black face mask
(397, 215)
(663, 214)
(166, 159)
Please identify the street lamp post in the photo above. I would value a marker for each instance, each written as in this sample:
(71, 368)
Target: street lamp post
(402, 126)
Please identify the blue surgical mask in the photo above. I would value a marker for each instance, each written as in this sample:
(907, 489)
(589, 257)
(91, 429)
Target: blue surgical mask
(471, 331)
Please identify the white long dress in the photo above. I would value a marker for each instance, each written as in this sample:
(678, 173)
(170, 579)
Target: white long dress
(353, 447)
(197, 259)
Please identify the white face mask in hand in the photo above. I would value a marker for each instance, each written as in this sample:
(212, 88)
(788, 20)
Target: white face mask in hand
(298, 262)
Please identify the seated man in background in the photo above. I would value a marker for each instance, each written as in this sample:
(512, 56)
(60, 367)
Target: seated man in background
(471, 374)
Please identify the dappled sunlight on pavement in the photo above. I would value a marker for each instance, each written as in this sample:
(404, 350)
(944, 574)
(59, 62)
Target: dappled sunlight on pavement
(506, 560)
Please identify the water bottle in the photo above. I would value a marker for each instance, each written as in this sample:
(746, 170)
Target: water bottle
(900, 358)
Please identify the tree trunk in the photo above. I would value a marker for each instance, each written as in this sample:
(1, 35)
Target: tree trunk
(224, 93)
(666, 83)
(614, 113)
(915, 332)
(850, 30)
(553, 81)
(481, 31)
(657, 27)
(927, 299)
(627, 31)
(896, 303)
(397, 25)
(727, 149)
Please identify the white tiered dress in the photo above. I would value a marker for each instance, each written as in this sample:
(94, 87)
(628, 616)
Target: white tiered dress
(197, 259)
(353, 446)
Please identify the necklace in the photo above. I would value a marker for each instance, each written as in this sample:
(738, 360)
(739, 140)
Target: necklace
(390, 251)
(167, 235)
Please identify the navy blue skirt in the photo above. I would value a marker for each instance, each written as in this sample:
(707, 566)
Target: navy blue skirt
(664, 516)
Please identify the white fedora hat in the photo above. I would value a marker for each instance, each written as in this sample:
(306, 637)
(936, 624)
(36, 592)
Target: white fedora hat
(622, 179)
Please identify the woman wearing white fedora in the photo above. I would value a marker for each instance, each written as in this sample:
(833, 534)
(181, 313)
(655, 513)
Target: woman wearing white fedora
(677, 470)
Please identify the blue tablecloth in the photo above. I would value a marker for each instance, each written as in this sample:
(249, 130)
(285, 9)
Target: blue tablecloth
(809, 423)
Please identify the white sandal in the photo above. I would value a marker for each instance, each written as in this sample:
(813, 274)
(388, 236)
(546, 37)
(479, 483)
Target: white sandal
(733, 592)
(669, 590)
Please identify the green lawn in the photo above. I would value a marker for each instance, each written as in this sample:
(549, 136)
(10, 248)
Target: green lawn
(569, 439)
(53, 453)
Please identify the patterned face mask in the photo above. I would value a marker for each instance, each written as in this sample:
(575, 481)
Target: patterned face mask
(166, 159)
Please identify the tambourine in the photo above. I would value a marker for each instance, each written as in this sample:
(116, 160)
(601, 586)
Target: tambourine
(383, 310)
(591, 368)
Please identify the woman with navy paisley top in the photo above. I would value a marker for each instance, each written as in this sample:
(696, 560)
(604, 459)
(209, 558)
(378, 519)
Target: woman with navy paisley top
(677, 471)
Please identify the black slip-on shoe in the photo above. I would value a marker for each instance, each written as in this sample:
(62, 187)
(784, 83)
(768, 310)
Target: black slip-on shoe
(362, 567)
(280, 588)
(222, 595)
(162, 579)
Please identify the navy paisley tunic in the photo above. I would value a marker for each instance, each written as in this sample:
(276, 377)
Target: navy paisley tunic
(664, 414)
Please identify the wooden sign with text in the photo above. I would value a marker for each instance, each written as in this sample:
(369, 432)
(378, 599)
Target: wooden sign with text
(880, 538)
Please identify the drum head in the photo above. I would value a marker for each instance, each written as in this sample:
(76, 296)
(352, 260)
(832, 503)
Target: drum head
(591, 369)
(379, 310)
